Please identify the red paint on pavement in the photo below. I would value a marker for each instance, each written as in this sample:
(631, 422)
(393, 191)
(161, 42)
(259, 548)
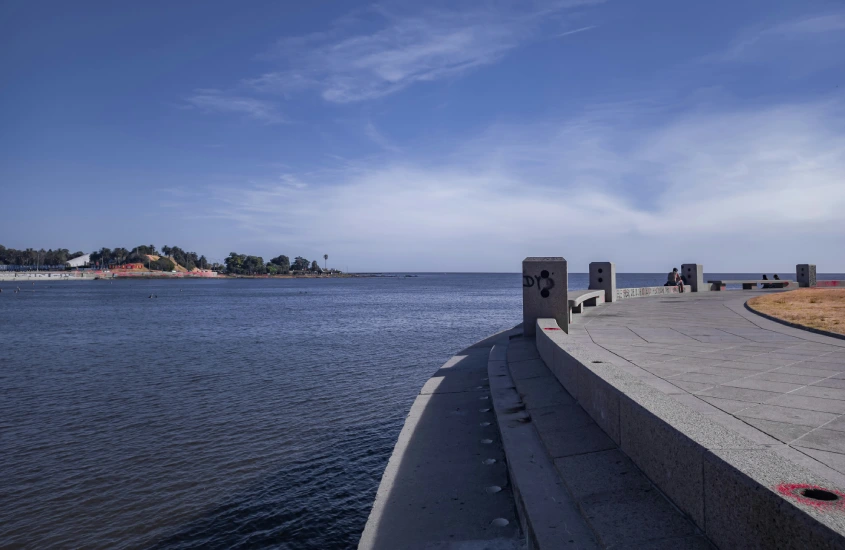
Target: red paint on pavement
(551, 328)
(794, 490)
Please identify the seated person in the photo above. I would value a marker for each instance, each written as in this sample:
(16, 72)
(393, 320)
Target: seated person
(766, 285)
(674, 279)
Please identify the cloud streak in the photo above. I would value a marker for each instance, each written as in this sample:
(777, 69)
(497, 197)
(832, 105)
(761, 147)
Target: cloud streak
(576, 31)
(217, 101)
(406, 49)
(379, 139)
(812, 41)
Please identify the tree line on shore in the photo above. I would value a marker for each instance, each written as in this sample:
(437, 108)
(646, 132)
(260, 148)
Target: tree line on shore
(34, 258)
(168, 257)
(242, 264)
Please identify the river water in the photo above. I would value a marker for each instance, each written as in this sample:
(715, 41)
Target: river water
(220, 413)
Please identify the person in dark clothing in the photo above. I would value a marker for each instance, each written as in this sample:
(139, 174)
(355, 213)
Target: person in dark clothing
(766, 285)
(674, 279)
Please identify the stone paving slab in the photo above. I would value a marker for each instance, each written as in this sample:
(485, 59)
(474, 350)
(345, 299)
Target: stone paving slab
(531, 368)
(783, 382)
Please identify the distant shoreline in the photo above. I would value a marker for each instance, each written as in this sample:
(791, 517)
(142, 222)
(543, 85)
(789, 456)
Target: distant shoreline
(55, 276)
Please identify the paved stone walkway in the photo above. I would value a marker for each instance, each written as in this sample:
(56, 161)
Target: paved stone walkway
(777, 385)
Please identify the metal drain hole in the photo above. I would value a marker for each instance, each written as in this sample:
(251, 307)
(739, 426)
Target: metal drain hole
(596, 361)
(818, 494)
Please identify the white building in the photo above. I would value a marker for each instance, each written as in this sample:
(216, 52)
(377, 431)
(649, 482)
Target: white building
(81, 261)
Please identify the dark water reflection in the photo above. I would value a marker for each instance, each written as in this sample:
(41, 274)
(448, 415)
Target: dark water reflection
(221, 414)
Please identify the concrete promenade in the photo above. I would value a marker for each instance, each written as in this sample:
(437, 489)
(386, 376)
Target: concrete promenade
(776, 385)
(626, 418)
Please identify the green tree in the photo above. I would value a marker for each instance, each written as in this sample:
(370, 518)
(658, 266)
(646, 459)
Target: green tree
(300, 264)
(120, 255)
(162, 264)
(101, 257)
(254, 265)
(235, 262)
(146, 250)
(282, 263)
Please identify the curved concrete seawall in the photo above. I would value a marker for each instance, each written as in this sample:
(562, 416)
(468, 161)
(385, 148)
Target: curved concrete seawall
(682, 420)
(732, 416)
(446, 484)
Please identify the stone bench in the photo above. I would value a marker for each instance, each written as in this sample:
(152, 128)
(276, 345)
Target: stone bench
(589, 298)
(749, 284)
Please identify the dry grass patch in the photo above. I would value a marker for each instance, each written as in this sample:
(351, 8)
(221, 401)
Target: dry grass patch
(820, 308)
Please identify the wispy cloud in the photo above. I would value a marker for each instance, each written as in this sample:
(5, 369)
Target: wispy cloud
(291, 180)
(379, 139)
(833, 22)
(576, 31)
(217, 101)
(769, 178)
(345, 66)
(811, 41)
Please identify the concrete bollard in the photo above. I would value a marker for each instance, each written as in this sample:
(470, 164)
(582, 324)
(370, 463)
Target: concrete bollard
(545, 283)
(693, 274)
(603, 277)
(805, 274)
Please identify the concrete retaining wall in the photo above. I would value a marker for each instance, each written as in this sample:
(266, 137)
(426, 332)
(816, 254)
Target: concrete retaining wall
(54, 276)
(827, 284)
(738, 492)
(625, 293)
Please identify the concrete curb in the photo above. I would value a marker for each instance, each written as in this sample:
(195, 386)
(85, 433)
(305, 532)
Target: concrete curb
(731, 487)
(437, 489)
(793, 325)
(549, 516)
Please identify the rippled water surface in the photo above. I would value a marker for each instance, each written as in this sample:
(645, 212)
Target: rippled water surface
(221, 414)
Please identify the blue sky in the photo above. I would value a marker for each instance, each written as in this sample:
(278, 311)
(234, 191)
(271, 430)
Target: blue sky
(430, 136)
